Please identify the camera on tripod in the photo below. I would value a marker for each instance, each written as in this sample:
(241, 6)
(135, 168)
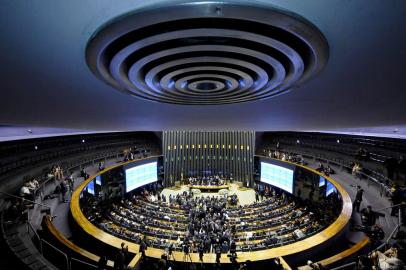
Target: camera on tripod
(233, 257)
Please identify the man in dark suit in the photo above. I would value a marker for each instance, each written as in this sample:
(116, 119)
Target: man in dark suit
(358, 198)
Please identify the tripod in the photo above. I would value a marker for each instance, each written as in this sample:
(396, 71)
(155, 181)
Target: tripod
(187, 257)
(187, 260)
(170, 255)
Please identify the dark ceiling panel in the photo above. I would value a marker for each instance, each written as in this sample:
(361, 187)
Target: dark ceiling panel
(46, 82)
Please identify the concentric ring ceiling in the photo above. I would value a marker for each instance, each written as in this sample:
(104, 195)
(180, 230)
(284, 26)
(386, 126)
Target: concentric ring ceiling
(207, 53)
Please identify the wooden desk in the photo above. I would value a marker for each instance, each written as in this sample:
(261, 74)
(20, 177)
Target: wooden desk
(342, 255)
(335, 228)
(63, 240)
(209, 188)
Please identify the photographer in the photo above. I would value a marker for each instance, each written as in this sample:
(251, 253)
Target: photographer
(218, 253)
(376, 235)
(233, 247)
(169, 250)
(186, 251)
(186, 247)
(200, 249)
(143, 247)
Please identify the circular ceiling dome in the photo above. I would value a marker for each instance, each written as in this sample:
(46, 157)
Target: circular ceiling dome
(207, 53)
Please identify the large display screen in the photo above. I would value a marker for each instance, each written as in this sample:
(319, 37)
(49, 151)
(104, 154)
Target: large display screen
(330, 188)
(277, 176)
(140, 175)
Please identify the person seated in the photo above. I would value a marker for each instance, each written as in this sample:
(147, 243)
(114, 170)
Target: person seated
(83, 173)
(329, 170)
(320, 168)
(101, 166)
(314, 266)
(368, 216)
(283, 158)
(25, 191)
(387, 260)
(15, 211)
(376, 234)
(356, 170)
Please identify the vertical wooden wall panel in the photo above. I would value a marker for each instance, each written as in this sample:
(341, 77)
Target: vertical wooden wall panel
(182, 155)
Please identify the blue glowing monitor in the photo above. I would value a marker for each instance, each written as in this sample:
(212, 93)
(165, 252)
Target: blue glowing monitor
(322, 181)
(98, 180)
(140, 175)
(277, 176)
(330, 189)
(90, 187)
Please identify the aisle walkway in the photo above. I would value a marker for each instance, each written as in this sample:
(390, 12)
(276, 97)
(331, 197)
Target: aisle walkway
(371, 196)
(60, 210)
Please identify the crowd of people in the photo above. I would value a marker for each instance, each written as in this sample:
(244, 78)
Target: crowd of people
(326, 170)
(215, 180)
(285, 156)
(29, 189)
(206, 224)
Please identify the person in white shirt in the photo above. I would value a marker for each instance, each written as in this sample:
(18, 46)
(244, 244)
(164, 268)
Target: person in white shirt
(25, 191)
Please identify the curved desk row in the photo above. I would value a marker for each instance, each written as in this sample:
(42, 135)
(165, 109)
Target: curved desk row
(209, 188)
(342, 255)
(304, 247)
(71, 246)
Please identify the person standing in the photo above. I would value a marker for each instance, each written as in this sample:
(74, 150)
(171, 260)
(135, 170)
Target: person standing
(143, 247)
(396, 199)
(64, 189)
(358, 198)
(71, 183)
(391, 164)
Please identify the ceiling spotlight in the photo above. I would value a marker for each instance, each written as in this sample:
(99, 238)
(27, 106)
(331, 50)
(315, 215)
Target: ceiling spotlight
(338, 141)
(297, 141)
(36, 147)
(83, 140)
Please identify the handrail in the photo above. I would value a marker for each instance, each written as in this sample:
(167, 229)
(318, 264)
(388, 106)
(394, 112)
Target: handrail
(29, 226)
(82, 262)
(342, 255)
(58, 250)
(42, 185)
(19, 197)
(344, 266)
(377, 248)
(62, 239)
